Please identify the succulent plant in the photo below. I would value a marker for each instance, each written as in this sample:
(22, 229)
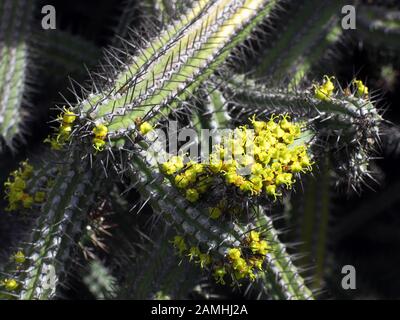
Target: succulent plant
(104, 193)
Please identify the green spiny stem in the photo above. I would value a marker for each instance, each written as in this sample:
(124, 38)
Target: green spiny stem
(175, 63)
(349, 124)
(311, 211)
(324, 225)
(379, 27)
(281, 264)
(212, 114)
(258, 97)
(15, 20)
(314, 57)
(55, 232)
(100, 281)
(345, 108)
(158, 270)
(299, 44)
(216, 108)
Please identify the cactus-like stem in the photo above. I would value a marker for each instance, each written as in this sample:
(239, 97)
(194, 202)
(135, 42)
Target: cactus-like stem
(379, 27)
(353, 122)
(288, 279)
(174, 64)
(15, 20)
(299, 45)
(158, 271)
(68, 194)
(311, 211)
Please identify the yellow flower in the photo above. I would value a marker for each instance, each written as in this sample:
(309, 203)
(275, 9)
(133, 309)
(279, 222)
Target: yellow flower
(257, 262)
(240, 265)
(100, 131)
(19, 257)
(215, 212)
(55, 144)
(234, 253)
(27, 201)
(179, 243)
(10, 284)
(260, 247)
(27, 170)
(296, 167)
(271, 191)
(324, 91)
(204, 260)
(361, 88)
(192, 195)
(65, 131)
(145, 128)
(68, 117)
(98, 144)
(263, 247)
(254, 236)
(39, 196)
(194, 252)
(173, 165)
(219, 274)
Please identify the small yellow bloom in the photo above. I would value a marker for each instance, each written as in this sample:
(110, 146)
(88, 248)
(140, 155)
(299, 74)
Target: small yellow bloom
(98, 144)
(254, 236)
(204, 260)
(10, 284)
(64, 131)
(194, 252)
(179, 243)
(27, 201)
(214, 212)
(19, 257)
(54, 143)
(271, 191)
(234, 253)
(100, 131)
(361, 88)
(192, 195)
(145, 128)
(257, 262)
(68, 117)
(324, 91)
(39, 196)
(219, 274)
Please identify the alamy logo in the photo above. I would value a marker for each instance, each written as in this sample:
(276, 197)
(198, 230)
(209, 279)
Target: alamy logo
(349, 280)
(349, 20)
(49, 20)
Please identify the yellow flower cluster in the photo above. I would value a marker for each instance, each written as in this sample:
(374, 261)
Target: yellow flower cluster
(100, 133)
(11, 284)
(67, 119)
(15, 187)
(362, 90)
(244, 261)
(266, 152)
(193, 253)
(325, 90)
(240, 262)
